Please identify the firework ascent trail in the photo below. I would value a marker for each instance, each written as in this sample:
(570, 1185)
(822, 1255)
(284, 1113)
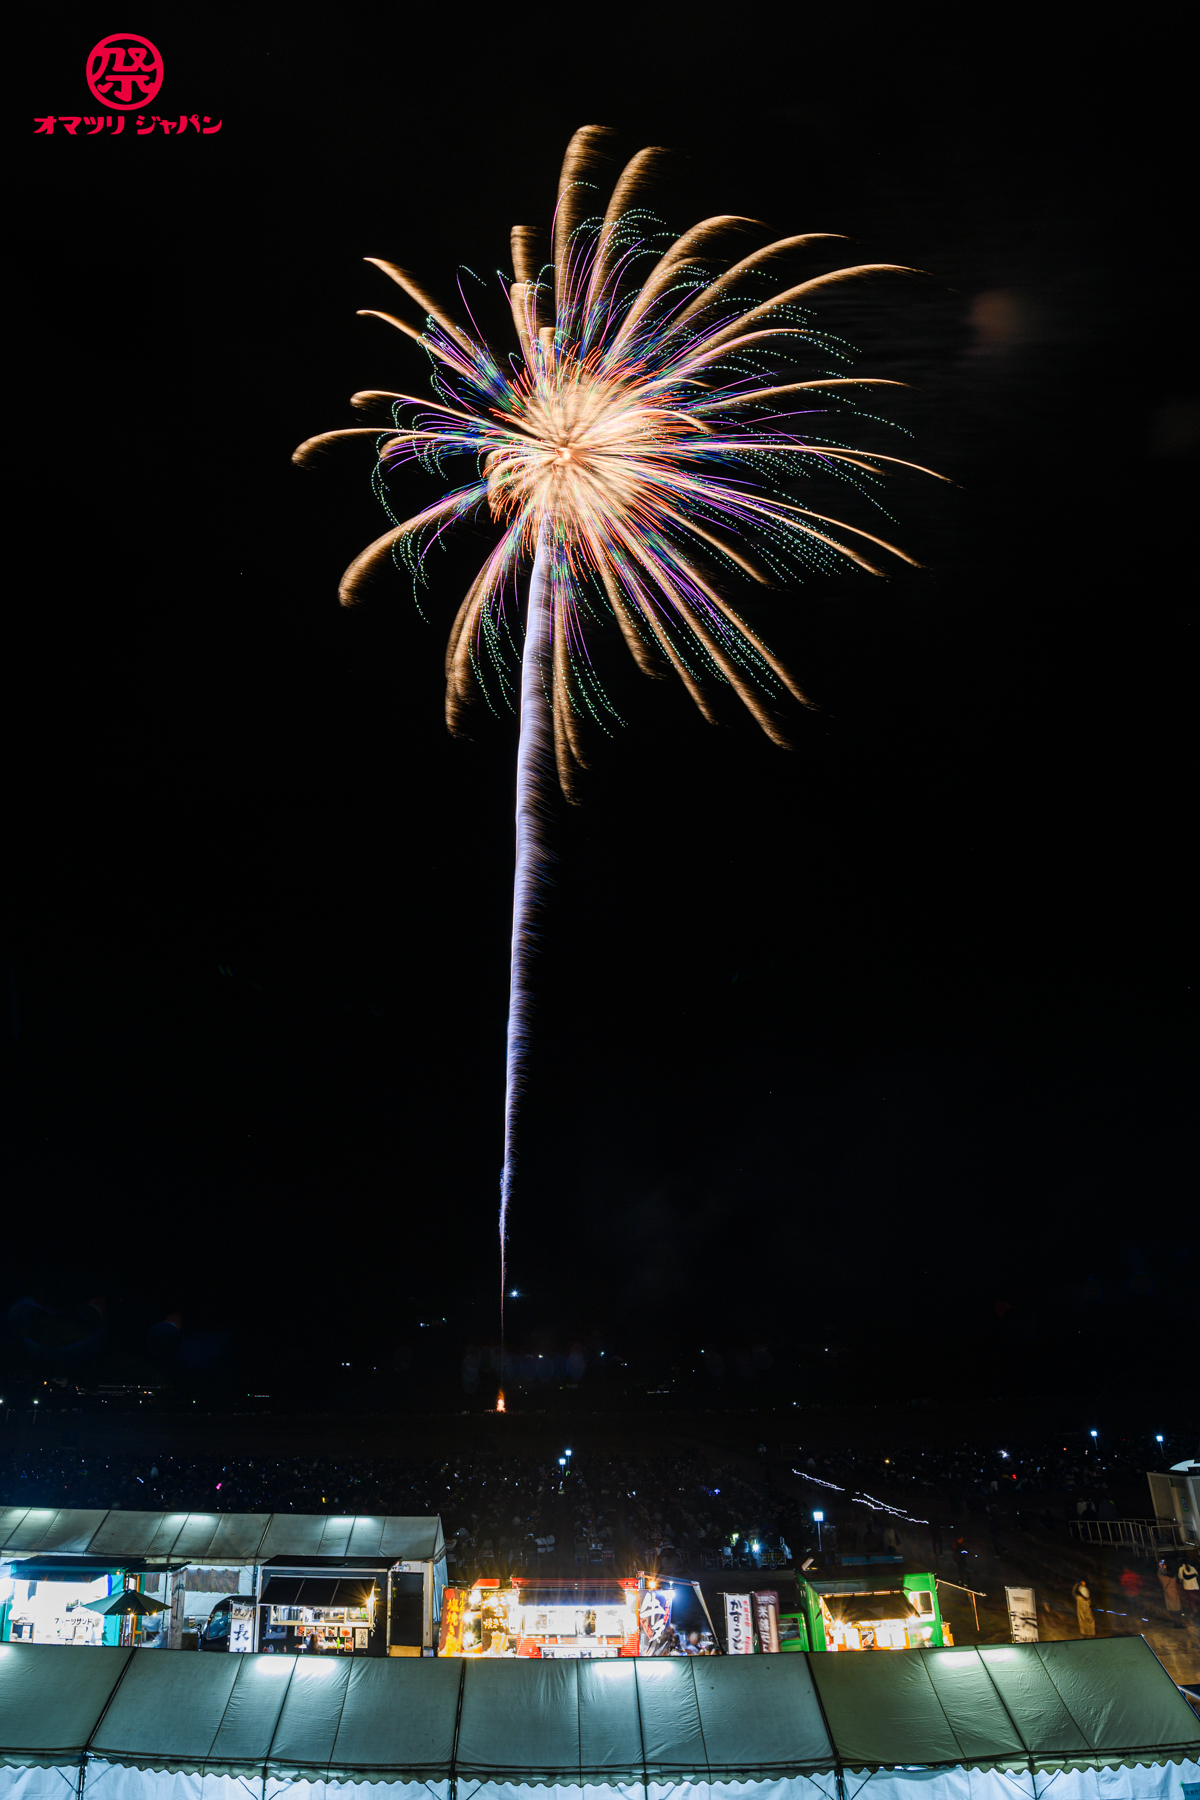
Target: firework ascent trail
(644, 444)
(533, 768)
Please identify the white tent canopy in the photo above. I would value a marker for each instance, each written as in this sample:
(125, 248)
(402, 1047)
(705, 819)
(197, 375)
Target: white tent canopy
(214, 1537)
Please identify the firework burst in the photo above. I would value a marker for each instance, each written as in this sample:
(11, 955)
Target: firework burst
(636, 449)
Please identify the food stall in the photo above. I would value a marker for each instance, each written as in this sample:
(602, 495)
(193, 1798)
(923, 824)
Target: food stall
(210, 1572)
(541, 1618)
(54, 1608)
(606, 1617)
(863, 1614)
(52, 1600)
(323, 1614)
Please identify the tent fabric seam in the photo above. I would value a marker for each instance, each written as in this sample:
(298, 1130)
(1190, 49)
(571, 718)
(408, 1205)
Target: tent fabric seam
(233, 1687)
(1086, 1736)
(266, 1762)
(341, 1714)
(1012, 1721)
(838, 1765)
(691, 1669)
(637, 1694)
(462, 1682)
(86, 1751)
(941, 1703)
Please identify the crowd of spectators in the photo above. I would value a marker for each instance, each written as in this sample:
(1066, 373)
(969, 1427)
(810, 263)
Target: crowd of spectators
(500, 1512)
(688, 1510)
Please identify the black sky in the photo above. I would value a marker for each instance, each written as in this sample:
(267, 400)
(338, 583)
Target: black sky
(880, 1044)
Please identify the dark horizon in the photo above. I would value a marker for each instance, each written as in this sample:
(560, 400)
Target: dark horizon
(864, 1065)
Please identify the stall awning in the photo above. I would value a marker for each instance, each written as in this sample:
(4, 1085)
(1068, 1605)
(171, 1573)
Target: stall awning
(605, 1590)
(316, 1590)
(885, 1605)
(69, 1568)
(215, 1537)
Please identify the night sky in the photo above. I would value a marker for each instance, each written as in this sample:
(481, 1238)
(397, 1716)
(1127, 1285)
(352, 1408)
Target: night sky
(863, 1067)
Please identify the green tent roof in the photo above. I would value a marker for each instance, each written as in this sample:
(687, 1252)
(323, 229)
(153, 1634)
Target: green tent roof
(574, 1723)
(1074, 1703)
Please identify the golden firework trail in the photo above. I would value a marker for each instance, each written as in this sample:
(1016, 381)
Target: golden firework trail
(636, 449)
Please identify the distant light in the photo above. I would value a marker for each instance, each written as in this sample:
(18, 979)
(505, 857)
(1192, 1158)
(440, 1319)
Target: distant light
(562, 1462)
(819, 1517)
(1157, 1437)
(514, 1294)
(568, 1453)
(1004, 1454)
(754, 1547)
(1093, 1434)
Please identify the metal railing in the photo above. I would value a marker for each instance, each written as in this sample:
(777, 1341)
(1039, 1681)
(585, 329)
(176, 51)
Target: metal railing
(1147, 1535)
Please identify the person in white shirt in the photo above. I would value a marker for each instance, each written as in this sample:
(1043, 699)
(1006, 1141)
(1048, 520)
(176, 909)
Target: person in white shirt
(1189, 1582)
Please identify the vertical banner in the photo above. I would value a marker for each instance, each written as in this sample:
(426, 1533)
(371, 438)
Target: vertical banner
(739, 1625)
(1022, 1614)
(241, 1625)
(655, 1637)
(454, 1610)
(766, 1617)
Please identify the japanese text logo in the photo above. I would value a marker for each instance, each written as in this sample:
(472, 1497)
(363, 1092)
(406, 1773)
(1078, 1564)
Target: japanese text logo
(124, 71)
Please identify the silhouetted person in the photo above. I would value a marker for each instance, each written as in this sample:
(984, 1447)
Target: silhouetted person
(1082, 1595)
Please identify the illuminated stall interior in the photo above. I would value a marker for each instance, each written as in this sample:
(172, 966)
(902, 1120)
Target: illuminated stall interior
(892, 1613)
(54, 1611)
(49, 1600)
(888, 1619)
(326, 1616)
(541, 1618)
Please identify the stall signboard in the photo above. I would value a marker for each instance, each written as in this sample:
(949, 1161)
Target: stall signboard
(739, 1625)
(1022, 1614)
(766, 1617)
(241, 1625)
